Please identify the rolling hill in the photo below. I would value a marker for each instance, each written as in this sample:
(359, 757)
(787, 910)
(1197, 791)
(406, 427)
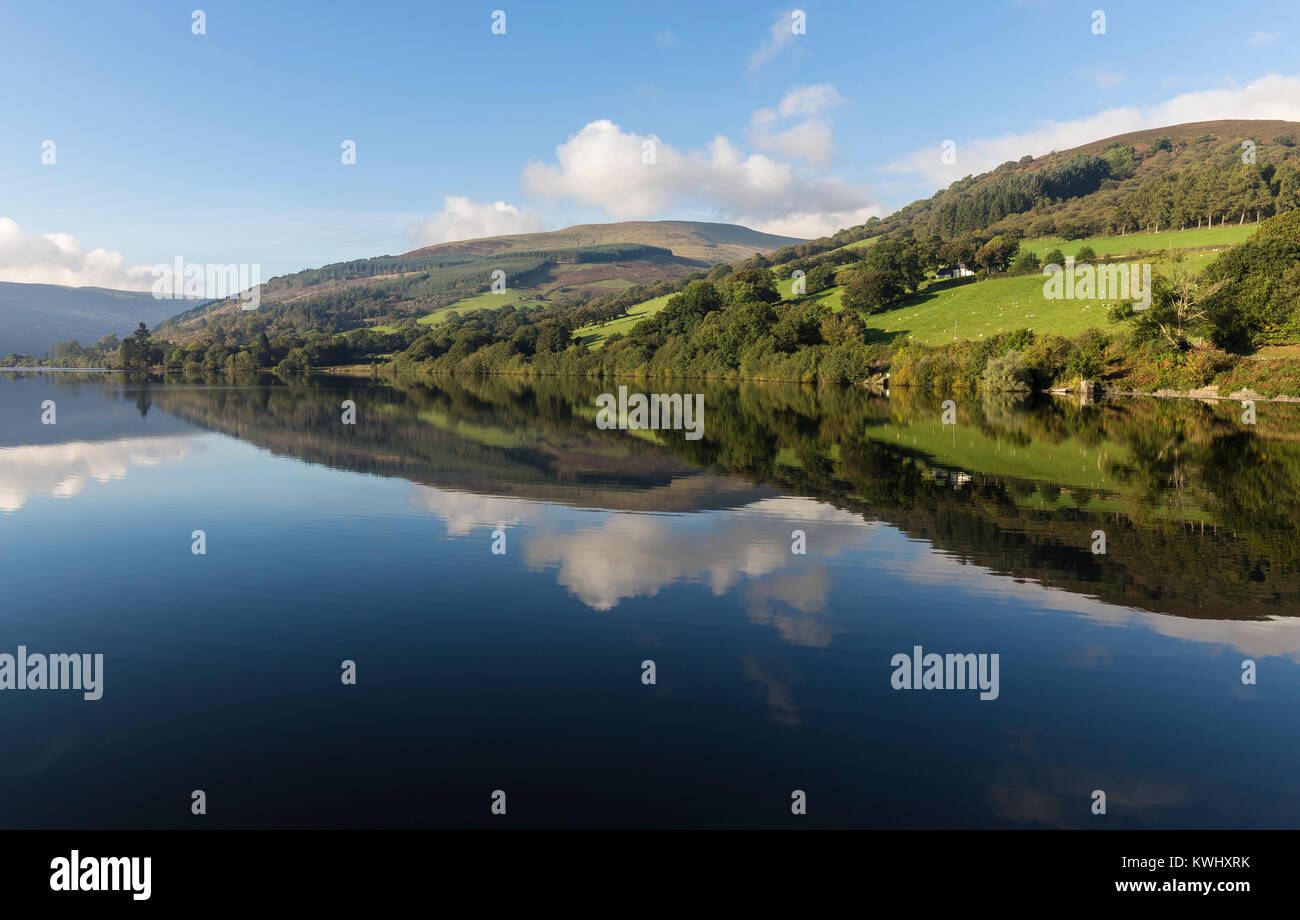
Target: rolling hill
(556, 268)
(944, 311)
(704, 242)
(1199, 190)
(1160, 179)
(1136, 195)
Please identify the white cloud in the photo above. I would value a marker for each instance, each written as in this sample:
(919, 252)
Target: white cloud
(665, 38)
(58, 258)
(1270, 97)
(806, 101)
(780, 37)
(810, 224)
(463, 219)
(602, 165)
(1263, 38)
(809, 139)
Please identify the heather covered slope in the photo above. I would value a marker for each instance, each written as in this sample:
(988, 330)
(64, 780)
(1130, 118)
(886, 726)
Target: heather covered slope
(558, 269)
(687, 239)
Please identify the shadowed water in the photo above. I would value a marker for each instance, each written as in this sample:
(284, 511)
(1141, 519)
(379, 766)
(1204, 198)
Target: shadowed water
(522, 671)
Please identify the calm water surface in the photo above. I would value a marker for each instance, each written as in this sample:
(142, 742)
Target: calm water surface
(522, 672)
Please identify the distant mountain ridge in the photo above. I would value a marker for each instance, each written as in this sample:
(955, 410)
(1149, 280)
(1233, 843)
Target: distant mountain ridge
(700, 240)
(33, 317)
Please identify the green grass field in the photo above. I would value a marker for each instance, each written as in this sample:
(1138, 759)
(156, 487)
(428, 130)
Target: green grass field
(520, 296)
(979, 309)
(1229, 235)
(860, 244)
(596, 334)
(485, 301)
(985, 308)
(1000, 304)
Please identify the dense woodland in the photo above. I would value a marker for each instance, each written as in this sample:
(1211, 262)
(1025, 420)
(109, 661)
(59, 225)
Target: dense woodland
(1159, 184)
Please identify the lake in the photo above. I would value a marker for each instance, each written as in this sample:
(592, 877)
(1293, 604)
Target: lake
(503, 579)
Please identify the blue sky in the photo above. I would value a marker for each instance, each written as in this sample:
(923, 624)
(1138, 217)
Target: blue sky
(226, 146)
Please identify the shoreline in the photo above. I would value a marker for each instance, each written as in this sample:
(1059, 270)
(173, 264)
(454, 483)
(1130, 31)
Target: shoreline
(1094, 390)
(97, 370)
(1205, 394)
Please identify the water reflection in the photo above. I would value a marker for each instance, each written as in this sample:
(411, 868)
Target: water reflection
(101, 431)
(63, 470)
(1120, 670)
(1200, 512)
(720, 552)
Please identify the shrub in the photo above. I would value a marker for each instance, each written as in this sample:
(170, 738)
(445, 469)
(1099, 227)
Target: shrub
(1026, 263)
(1087, 358)
(1016, 339)
(1047, 357)
(1204, 364)
(821, 278)
(1007, 373)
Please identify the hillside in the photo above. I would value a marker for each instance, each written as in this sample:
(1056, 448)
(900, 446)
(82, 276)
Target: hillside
(33, 317)
(557, 269)
(392, 289)
(961, 268)
(1145, 193)
(1160, 179)
(949, 287)
(944, 311)
(1167, 179)
(703, 242)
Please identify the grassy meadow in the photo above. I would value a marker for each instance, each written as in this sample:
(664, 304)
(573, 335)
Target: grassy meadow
(1217, 238)
(960, 309)
(596, 334)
